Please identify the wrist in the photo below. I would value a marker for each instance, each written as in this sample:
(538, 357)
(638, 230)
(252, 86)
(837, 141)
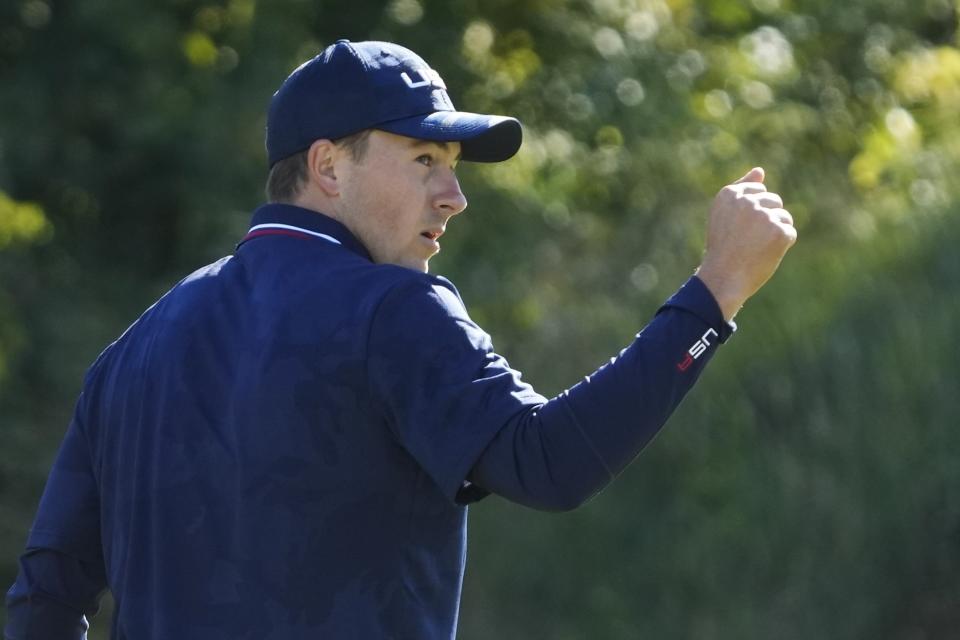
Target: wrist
(727, 294)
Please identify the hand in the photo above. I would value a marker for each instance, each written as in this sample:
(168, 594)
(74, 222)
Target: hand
(748, 234)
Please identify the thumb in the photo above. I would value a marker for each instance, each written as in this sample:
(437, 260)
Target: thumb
(754, 175)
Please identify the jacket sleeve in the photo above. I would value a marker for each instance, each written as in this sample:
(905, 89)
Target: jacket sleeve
(52, 597)
(465, 415)
(563, 452)
(61, 575)
(442, 390)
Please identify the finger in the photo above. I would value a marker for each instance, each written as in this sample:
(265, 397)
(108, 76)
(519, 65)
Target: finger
(754, 175)
(744, 188)
(783, 216)
(768, 199)
(790, 233)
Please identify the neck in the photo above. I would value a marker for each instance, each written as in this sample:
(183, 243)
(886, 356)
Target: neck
(320, 204)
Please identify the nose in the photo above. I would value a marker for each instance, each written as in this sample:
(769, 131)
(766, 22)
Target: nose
(450, 199)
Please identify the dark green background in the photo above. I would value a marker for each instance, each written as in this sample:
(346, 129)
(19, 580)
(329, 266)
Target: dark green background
(809, 487)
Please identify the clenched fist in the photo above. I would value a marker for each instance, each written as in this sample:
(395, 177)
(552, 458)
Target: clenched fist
(748, 234)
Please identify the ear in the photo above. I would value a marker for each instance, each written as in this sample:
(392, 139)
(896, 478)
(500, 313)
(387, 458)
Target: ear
(321, 166)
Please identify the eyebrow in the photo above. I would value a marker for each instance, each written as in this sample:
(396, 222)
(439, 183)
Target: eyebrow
(416, 142)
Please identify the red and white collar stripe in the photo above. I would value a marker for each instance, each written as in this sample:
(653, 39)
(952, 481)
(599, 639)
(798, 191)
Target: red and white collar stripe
(277, 229)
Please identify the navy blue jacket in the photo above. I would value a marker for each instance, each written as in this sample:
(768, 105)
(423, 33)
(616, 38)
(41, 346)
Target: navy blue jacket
(284, 444)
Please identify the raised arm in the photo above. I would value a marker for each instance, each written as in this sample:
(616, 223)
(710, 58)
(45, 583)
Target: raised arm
(567, 450)
(464, 414)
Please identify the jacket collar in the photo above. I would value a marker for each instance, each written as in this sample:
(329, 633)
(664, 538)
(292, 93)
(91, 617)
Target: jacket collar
(289, 220)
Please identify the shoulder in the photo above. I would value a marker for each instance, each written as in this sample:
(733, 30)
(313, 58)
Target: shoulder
(191, 285)
(395, 275)
(422, 317)
(417, 292)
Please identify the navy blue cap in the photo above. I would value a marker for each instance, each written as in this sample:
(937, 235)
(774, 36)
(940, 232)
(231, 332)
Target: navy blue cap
(352, 86)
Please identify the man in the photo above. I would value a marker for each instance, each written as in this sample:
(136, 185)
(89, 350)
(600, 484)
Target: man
(284, 444)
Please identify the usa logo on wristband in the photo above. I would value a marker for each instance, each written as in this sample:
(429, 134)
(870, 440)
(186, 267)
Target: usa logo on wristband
(696, 350)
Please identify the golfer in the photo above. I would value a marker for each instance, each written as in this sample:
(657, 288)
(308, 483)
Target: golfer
(283, 446)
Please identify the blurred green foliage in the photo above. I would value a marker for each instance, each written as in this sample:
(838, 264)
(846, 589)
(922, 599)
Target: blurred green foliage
(809, 486)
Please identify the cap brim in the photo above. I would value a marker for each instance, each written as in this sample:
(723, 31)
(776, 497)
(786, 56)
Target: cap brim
(482, 138)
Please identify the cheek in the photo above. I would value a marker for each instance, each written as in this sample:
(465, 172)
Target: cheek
(385, 229)
(388, 207)
(396, 205)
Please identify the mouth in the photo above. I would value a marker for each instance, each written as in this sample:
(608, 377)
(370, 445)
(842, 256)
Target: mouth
(432, 234)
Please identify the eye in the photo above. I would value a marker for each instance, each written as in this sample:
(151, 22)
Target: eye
(426, 160)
